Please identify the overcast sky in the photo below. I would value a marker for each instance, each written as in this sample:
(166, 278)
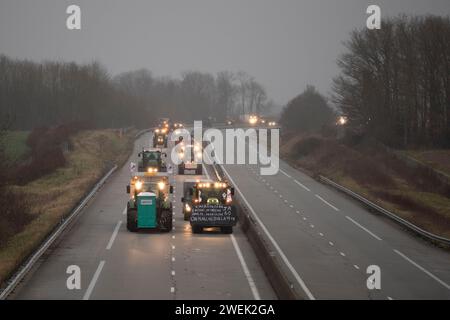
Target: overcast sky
(284, 44)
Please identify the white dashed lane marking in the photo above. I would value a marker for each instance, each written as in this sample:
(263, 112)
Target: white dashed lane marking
(422, 269)
(364, 228)
(94, 279)
(114, 235)
(301, 185)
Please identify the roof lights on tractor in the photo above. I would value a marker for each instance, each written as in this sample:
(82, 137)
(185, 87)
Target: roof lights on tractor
(152, 170)
(157, 130)
(342, 120)
(164, 130)
(272, 123)
(138, 185)
(253, 119)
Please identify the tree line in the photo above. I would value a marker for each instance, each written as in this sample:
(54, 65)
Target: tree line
(394, 83)
(51, 93)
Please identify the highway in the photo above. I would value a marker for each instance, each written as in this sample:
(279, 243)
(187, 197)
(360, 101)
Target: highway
(329, 240)
(326, 241)
(117, 264)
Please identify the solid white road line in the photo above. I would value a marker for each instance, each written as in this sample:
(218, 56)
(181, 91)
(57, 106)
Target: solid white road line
(326, 202)
(365, 229)
(283, 172)
(274, 243)
(94, 279)
(114, 235)
(301, 185)
(247, 273)
(423, 269)
(206, 171)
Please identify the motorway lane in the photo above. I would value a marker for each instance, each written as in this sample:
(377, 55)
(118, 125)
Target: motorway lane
(117, 264)
(330, 240)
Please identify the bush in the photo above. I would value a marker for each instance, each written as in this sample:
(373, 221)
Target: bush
(307, 146)
(46, 151)
(14, 214)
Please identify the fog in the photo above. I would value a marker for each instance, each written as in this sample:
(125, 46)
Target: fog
(284, 44)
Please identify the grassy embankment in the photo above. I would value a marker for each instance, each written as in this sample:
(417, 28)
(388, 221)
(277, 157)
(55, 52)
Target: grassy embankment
(55, 195)
(373, 173)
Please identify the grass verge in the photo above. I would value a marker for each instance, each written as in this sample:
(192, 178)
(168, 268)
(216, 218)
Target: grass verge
(371, 172)
(55, 195)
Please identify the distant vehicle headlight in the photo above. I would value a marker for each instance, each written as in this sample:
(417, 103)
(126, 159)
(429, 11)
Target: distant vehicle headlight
(138, 185)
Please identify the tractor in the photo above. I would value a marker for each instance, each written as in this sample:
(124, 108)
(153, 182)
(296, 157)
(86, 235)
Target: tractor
(160, 137)
(149, 206)
(191, 158)
(211, 205)
(151, 160)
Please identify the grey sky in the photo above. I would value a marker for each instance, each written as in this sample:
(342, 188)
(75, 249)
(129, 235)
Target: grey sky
(284, 44)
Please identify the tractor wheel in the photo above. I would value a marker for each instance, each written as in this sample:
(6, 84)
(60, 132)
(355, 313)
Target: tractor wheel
(226, 230)
(197, 229)
(165, 222)
(132, 220)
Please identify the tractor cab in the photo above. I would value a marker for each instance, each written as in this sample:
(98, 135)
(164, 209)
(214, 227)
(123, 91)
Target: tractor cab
(149, 206)
(212, 193)
(152, 161)
(160, 137)
(191, 156)
(211, 205)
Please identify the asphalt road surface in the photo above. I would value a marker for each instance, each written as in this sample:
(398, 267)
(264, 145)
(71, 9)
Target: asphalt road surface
(329, 240)
(326, 240)
(117, 264)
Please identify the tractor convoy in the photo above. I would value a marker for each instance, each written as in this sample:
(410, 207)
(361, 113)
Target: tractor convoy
(205, 203)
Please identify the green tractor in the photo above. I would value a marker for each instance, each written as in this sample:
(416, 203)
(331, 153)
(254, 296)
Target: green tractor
(211, 205)
(149, 206)
(151, 161)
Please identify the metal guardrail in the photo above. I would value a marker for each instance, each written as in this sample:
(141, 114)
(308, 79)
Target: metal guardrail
(26, 267)
(405, 223)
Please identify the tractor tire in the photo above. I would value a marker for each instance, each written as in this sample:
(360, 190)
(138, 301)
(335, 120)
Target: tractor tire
(132, 220)
(226, 230)
(165, 221)
(197, 229)
(199, 170)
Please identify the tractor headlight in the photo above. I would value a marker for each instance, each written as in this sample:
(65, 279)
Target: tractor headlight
(138, 185)
(199, 155)
(187, 207)
(157, 130)
(161, 185)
